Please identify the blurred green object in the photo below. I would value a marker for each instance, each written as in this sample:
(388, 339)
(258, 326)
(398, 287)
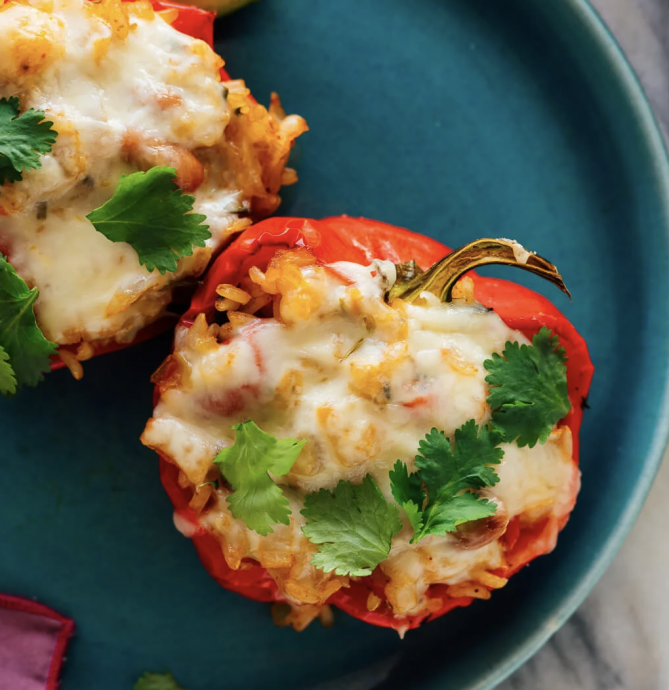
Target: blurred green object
(221, 7)
(157, 681)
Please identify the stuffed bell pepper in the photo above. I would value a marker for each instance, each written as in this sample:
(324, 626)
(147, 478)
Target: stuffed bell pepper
(127, 158)
(350, 417)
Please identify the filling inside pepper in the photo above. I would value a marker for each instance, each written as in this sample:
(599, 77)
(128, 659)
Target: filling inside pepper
(329, 430)
(94, 91)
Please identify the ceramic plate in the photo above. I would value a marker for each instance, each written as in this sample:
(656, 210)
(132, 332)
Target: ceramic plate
(458, 119)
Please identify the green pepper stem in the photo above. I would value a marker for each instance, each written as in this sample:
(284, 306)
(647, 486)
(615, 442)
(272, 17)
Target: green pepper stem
(441, 278)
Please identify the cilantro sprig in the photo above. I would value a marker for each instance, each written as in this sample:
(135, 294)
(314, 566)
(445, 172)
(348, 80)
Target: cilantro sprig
(528, 389)
(7, 375)
(20, 336)
(353, 527)
(408, 491)
(256, 499)
(150, 213)
(24, 138)
(158, 681)
(451, 473)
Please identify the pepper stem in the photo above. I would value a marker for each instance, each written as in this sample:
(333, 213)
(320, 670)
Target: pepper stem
(441, 278)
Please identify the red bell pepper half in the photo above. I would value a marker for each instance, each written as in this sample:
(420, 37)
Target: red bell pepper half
(361, 241)
(196, 23)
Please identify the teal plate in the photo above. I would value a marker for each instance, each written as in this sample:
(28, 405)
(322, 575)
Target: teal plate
(459, 119)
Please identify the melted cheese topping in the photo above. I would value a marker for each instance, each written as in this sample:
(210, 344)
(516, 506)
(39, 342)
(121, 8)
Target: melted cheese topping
(125, 92)
(362, 382)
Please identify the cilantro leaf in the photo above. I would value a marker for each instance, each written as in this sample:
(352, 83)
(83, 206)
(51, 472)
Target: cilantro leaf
(7, 172)
(353, 527)
(451, 471)
(528, 389)
(157, 681)
(20, 336)
(23, 139)
(256, 499)
(7, 376)
(151, 214)
(409, 493)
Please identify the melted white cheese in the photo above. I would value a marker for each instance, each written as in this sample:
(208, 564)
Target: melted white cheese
(363, 383)
(156, 84)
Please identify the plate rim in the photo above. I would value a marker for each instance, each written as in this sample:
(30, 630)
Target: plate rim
(652, 138)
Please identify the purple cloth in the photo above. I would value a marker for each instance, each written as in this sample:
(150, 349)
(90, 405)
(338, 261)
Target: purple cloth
(33, 639)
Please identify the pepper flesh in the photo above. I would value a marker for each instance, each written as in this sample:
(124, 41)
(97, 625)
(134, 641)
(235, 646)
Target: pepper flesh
(361, 241)
(197, 23)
